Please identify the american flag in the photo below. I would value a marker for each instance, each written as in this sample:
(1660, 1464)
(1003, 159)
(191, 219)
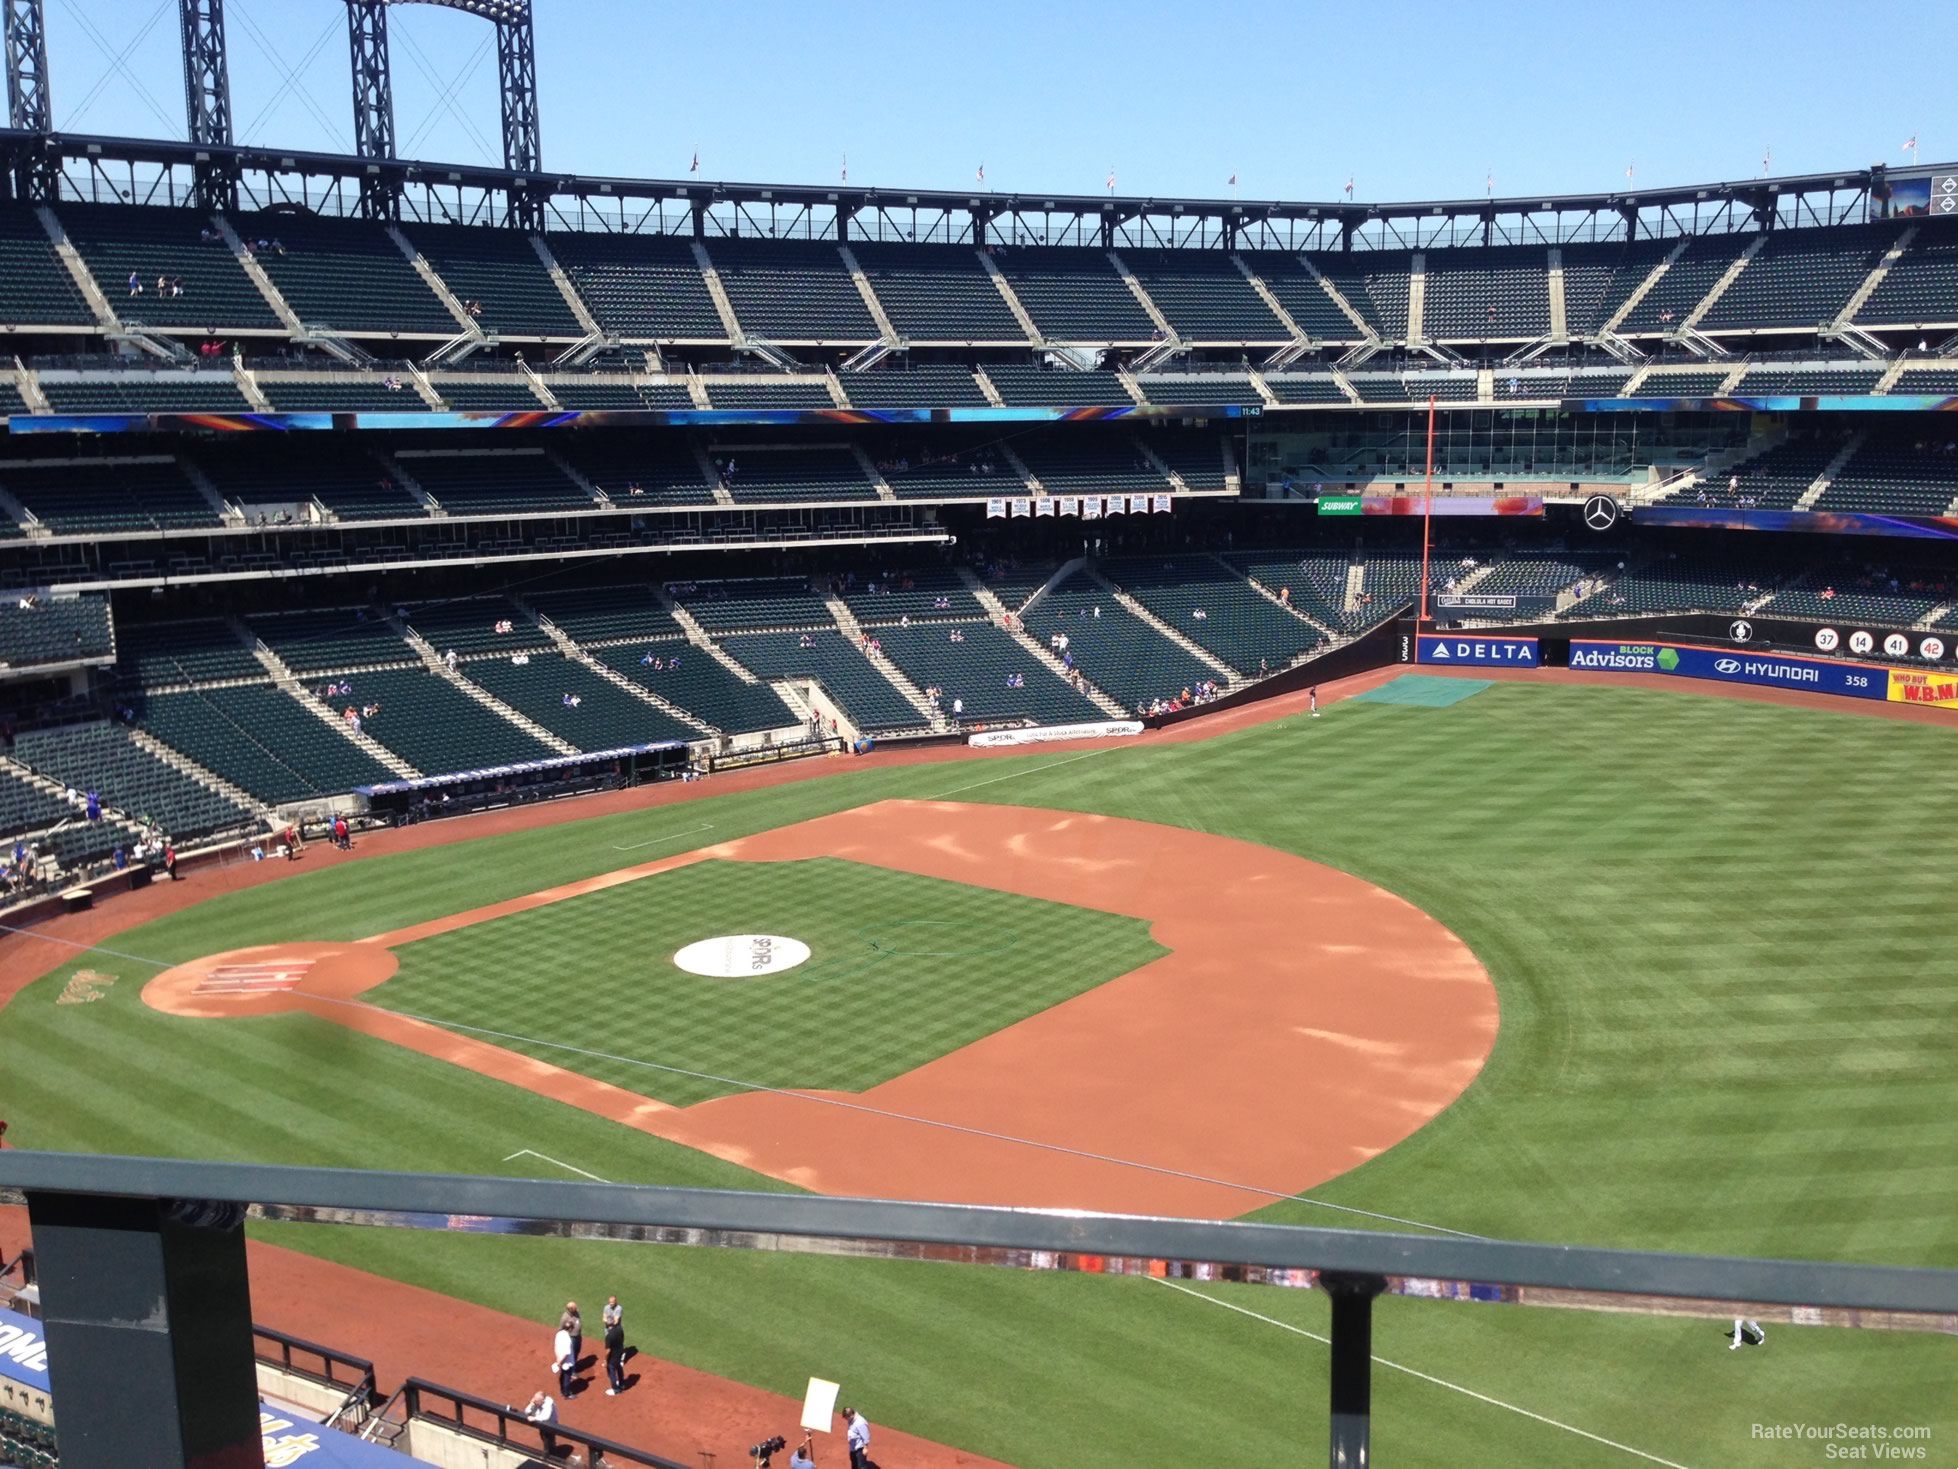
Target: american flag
(1111, 178)
(1911, 146)
(846, 168)
(1349, 186)
(982, 173)
(694, 167)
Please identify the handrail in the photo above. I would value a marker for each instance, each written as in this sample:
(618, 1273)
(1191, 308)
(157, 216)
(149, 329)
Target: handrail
(509, 1418)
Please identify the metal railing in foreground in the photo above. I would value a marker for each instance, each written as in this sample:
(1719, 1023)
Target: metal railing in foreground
(504, 1424)
(86, 1210)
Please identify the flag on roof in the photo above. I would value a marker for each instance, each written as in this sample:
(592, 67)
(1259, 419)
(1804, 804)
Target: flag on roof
(1349, 186)
(1911, 146)
(1233, 181)
(982, 173)
(1111, 178)
(694, 167)
(846, 168)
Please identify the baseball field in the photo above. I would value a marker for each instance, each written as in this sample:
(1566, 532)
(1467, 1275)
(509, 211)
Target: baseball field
(1554, 961)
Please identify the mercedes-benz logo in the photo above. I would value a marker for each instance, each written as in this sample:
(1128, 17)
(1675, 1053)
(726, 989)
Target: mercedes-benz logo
(1741, 631)
(1601, 512)
(1726, 665)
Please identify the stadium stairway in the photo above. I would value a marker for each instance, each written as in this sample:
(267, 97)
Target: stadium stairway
(699, 637)
(572, 300)
(1639, 292)
(426, 651)
(574, 650)
(847, 624)
(466, 325)
(144, 740)
(78, 271)
(287, 682)
(1015, 627)
(1819, 486)
(1867, 289)
(1233, 680)
(1333, 635)
(1727, 278)
(255, 273)
(1013, 302)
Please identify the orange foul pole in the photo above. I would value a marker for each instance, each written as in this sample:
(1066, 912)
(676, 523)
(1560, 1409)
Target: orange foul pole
(1427, 513)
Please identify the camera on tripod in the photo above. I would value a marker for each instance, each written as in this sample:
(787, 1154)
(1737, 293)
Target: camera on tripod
(762, 1452)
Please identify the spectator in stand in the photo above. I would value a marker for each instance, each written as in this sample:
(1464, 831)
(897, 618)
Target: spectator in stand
(93, 805)
(119, 859)
(135, 284)
(541, 1414)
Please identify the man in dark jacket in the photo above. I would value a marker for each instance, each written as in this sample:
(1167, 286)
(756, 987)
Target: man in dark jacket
(614, 1347)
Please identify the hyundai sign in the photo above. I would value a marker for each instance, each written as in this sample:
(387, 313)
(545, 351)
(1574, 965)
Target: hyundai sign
(1477, 652)
(1775, 670)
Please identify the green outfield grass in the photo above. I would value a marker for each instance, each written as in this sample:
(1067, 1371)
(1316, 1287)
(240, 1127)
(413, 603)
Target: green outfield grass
(1719, 933)
(902, 969)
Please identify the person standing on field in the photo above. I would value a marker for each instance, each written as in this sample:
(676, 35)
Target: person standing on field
(614, 1319)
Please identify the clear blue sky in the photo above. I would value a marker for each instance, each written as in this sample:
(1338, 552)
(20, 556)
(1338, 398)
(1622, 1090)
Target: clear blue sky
(1413, 100)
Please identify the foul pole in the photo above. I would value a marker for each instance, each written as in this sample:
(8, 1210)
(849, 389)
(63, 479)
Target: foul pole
(1427, 513)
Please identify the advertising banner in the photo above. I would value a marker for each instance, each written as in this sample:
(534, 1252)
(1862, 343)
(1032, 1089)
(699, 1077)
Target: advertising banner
(1933, 690)
(1341, 505)
(1473, 651)
(1736, 665)
(23, 1350)
(1043, 734)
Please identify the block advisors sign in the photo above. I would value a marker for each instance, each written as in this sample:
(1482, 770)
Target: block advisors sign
(1471, 652)
(1724, 665)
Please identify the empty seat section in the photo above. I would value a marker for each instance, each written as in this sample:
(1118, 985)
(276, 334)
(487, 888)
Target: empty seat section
(1118, 652)
(514, 481)
(119, 243)
(1800, 277)
(640, 285)
(108, 495)
(1199, 388)
(1073, 294)
(619, 393)
(1196, 455)
(1375, 283)
(776, 392)
(1204, 296)
(1024, 385)
(1685, 283)
(920, 594)
(35, 287)
(1807, 381)
(976, 670)
(653, 469)
(200, 649)
(435, 726)
(499, 271)
(601, 614)
(262, 739)
(329, 639)
(104, 758)
(145, 392)
(792, 290)
(1701, 384)
(343, 479)
(1239, 624)
(1090, 462)
(1315, 580)
(1922, 287)
(1674, 583)
(694, 680)
(1318, 387)
(1501, 291)
(350, 392)
(24, 806)
(937, 292)
(758, 475)
(605, 717)
(505, 393)
(1900, 474)
(345, 274)
(1300, 293)
(1600, 277)
(1778, 478)
(865, 696)
(735, 606)
(54, 631)
(914, 387)
(948, 463)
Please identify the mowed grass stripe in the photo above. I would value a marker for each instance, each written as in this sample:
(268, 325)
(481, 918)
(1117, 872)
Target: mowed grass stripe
(902, 969)
(1636, 869)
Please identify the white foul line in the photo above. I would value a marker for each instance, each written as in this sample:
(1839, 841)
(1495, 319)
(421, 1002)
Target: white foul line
(557, 1162)
(1015, 774)
(668, 837)
(1412, 1372)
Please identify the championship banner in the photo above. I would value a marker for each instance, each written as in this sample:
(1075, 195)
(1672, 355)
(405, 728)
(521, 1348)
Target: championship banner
(1043, 506)
(1021, 508)
(1162, 505)
(1933, 690)
(1070, 505)
(1477, 652)
(1091, 508)
(995, 510)
(1774, 670)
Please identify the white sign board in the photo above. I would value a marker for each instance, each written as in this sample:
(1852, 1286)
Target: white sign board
(819, 1405)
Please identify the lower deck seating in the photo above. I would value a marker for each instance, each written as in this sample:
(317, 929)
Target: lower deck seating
(975, 670)
(104, 758)
(885, 596)
(260, 738)
(158, 653)
(869, 699)
(601, 614)
(329, 639)
(1119, 653)
(740, 606)
(606, 717)
(435, 726)
(24, 806)
(1314, 580)
(694, 680)
(1239, 624)
(54, 632)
